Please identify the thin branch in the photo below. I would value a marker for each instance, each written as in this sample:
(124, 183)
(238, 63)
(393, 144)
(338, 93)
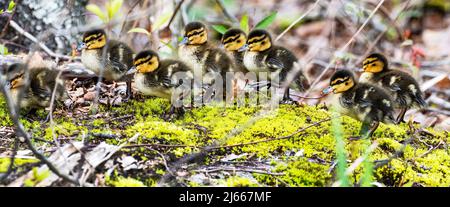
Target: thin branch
(344, 48)
(126, 17)
(21, 31)
(232, 169)
(175, 13)
(378, 38)
(298, 20)
(225, 11)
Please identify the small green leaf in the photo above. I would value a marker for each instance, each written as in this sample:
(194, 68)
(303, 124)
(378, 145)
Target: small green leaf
(161, 21)
(113, 6)
(3, 50)
(139, 30)
(11, 6)
(168, 45)
(244, 23)
(407, 43)
(263, 24)
(1, 11)
(97, 11)
(220, 28)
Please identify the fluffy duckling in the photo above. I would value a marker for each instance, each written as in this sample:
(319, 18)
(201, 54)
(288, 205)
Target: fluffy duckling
(36, 92)
(118, 57)
(203, 57)
(154, 77)
(401, 86)
(232, 41)
(262, 56)
(364, 102)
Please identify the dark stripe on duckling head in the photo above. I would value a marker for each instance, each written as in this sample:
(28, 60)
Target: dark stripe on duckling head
(193, 26)
(258, 34)
(341, 76)
(376, 57)
(232, 35)
(195, 32)
(231, 39)
(93, 34)
(144, 56)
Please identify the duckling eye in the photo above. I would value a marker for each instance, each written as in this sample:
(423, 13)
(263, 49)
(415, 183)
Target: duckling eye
(238, 41)
(374, 64)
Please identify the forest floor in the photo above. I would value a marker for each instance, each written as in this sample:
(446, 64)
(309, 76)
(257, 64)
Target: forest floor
(290, 146)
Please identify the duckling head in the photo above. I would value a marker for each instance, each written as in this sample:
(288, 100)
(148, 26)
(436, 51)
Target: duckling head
(234, 39)
(195, 33)
(258, 41)
(93, 39)
(375, 63)
(15, 76)
(146, 61)
(341, 81)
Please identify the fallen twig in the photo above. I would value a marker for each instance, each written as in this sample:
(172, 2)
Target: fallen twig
(21, 31)
(232, 169)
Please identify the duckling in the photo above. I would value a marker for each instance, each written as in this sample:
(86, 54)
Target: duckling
(401, 86)
(154, 77)
(36, 92)
(206, 60)
(118, 57)
(232, 41)
(262, 56)
(364, 102)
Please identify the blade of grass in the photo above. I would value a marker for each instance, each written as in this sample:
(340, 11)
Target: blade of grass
(336, 128)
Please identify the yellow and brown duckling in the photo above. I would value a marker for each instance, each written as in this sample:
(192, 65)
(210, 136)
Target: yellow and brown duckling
(403, 88)
(367, 103)
(36, 91)
(203, 57)
(118, 57)
(232, 41)
(262, 56)
(162, 78)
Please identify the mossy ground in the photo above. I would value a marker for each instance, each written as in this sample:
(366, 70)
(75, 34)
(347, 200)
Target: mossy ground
(305, 159)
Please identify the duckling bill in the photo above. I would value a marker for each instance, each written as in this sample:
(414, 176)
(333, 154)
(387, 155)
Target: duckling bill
(401, 86)
(367, 103)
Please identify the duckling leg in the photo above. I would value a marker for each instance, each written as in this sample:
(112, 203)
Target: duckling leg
(129, 92)
(372, 129)
(366, 130)
(174, 112)
(401, 116)
(287, 98)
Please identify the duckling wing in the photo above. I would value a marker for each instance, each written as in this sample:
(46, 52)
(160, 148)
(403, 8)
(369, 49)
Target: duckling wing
(275, 63)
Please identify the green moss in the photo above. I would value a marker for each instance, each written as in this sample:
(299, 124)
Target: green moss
(37, 177)
(18, 162)
(126, 182)
(302, 172)
(236, 181)
(4, 113)
(64, 128)
(204, 125)
(159, 132)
